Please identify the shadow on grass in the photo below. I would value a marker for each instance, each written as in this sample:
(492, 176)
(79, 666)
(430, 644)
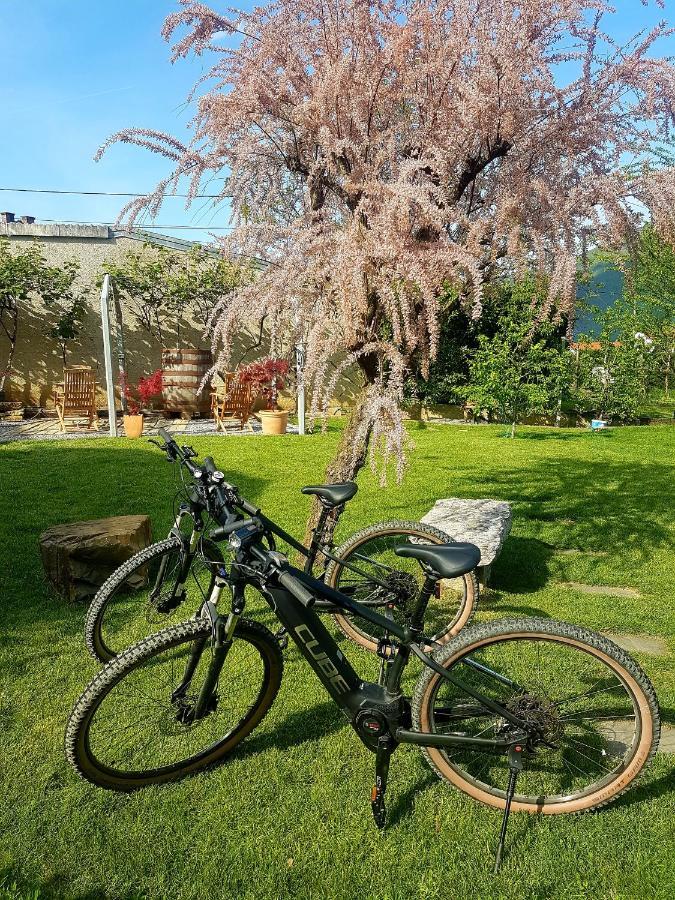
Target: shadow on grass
(404, 805)
(601, 504)
(522, 567)
(297, 728)
(13, 887)
(580, 434)
(555, 435)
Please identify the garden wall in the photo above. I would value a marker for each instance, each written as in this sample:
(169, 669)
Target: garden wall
(37, 364)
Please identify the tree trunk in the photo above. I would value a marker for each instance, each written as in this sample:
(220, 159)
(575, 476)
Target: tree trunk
(348, 461)
(513, 429)
(10, 360)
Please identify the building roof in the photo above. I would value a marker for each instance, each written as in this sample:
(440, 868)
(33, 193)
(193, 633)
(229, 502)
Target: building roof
(26, 226)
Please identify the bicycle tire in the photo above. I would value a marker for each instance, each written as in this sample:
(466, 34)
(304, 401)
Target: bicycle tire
(95, 641)
(77, 737)
(595, 647)
(358, 632)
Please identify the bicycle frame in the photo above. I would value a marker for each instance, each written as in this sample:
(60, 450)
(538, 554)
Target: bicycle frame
(357, 698)
(191, 543)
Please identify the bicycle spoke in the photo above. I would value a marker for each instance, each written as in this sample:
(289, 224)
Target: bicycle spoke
(583, 750)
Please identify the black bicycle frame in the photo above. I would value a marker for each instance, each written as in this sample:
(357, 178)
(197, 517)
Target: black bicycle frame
(315, 548)
(343, 683)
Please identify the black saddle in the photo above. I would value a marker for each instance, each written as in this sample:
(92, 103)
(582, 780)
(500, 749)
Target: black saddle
(332, 494)
(445, 560)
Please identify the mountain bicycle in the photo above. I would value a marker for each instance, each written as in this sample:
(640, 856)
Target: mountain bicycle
(149, 589)
(523, 714)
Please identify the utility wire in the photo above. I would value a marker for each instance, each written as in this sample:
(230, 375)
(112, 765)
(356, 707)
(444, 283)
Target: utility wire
(103, 193)
(134, 227)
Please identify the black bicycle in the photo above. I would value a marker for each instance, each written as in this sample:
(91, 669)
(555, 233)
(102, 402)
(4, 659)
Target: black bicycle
(147, 591)
(521, 714)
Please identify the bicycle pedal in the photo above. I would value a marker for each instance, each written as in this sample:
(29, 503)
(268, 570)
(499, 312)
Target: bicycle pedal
(282, 638)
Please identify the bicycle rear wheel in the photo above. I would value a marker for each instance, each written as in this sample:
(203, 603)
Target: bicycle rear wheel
(134, 723)
(593, 705)
(372, 552)
(146, 593)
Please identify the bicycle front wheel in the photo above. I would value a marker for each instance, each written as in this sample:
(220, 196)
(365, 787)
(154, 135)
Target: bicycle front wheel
(135, 724)
(145, 593)
(391, 584)
(595, 710)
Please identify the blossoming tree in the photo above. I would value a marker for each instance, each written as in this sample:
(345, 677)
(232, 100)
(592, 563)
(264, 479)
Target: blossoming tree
(376, 149)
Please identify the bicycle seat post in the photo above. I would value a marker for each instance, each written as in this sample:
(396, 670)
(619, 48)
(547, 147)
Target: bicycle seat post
(317, 536)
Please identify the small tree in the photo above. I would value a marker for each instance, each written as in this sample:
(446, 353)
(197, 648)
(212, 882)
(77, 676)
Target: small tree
(25, 277)
(520, 370)
(268, 377)
(138, 397)
(650, 297)
(614, 373)
(163, 286)
(67, 307)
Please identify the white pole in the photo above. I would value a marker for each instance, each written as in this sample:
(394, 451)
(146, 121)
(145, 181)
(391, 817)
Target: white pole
(107, 355)
(299, 366)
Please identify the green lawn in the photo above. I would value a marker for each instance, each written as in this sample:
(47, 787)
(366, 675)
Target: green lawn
(289, 815)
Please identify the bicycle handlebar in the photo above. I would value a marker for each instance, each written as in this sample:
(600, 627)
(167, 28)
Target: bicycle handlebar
(227, 494)
(297, 588)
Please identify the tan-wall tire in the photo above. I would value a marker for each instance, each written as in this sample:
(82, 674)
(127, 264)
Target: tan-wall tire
(617, 659)
(413, 529)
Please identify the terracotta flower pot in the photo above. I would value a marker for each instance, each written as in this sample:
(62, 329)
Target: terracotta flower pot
(133, 426)
(274, 421)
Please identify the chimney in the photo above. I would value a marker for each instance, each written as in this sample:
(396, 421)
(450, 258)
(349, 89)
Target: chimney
(27, 220)
(6, 218)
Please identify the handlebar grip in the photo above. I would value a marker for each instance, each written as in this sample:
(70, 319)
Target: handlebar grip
(297, 588)
(248, 507)
(165, 436)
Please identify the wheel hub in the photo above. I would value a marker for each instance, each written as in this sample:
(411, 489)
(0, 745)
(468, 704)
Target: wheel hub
(540, 715)
(183, 713)
(403, 586)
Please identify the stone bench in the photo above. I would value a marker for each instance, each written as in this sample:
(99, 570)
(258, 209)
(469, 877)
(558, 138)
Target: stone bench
(78, 557)
(485, 523)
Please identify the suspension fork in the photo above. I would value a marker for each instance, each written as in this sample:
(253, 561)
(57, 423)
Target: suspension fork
(189, 547)
(222, 632)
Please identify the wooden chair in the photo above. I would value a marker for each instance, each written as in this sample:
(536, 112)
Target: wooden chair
(76, 396)
(219, 394)
(236, 403)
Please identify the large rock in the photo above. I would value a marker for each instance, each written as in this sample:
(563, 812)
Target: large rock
(485, 523)
(78, 557)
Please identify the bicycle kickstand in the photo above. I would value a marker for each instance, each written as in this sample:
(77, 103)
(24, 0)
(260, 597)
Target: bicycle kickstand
(515, 768)
(383, 755)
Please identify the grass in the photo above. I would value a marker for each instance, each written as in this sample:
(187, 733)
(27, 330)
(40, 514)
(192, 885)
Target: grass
(289, 815)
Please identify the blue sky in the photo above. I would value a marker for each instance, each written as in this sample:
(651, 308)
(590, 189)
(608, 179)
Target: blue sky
(75, 71)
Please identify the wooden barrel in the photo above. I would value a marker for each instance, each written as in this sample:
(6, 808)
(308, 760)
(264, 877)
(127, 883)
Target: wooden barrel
(182, 373)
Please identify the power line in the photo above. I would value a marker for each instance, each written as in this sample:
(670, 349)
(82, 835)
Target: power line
(134, 227)
(103, 193)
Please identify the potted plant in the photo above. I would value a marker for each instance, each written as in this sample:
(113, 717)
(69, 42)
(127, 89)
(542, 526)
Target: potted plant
(269, 377)
(137, 399)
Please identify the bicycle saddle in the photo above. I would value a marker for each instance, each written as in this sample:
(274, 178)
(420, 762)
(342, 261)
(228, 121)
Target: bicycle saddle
(445, 560)
(332, 494)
